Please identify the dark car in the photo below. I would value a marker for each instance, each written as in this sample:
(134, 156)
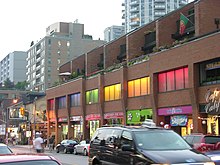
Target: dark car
(203, 143)
(4, 149)
(66, 146)
(142, 145)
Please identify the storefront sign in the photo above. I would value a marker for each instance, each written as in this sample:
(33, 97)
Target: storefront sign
(75, 118)
(93, 117)
(175, 110)
(180, 120)
(113, 115)
(138, 116)
(213, 65)
(62, 120)
(213, 102)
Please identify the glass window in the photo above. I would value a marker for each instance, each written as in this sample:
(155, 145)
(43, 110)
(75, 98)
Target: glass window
(162, 82)
(75, 100)
(62, 102)
(92, 96)
(186, 76)
(179, 79)
(139, 87)
(113, 92)
(170, 81)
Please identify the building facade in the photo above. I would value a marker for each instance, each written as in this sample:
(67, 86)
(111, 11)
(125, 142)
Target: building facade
(113, 32)
(13, 67)
(140, 12)
(153, 72)
(63, 42)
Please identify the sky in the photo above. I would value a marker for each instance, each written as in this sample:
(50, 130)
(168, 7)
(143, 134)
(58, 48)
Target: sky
(24, 21)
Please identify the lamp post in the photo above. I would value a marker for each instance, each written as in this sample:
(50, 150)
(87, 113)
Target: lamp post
(35, 106)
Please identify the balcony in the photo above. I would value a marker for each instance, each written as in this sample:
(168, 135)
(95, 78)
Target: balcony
(189, 31)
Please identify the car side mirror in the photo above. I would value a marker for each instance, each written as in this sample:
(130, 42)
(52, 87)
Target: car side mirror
(127, 147)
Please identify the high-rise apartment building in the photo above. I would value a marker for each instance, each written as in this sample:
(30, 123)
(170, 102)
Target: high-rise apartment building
(63, 42)
(13, 67)
(140, 12)
(113, 32)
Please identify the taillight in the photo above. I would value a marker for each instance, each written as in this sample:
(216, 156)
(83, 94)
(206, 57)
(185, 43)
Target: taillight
(88, 150)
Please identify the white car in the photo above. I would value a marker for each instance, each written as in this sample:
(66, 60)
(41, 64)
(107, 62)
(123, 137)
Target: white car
(82, 148)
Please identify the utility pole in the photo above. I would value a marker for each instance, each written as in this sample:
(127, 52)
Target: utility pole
(35, 106)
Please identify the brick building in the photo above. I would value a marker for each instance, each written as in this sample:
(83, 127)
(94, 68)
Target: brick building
(152, 72)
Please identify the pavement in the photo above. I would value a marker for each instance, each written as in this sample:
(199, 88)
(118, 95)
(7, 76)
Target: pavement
(27, 147)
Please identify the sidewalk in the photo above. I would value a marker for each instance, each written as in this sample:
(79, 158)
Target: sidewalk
(30, 147)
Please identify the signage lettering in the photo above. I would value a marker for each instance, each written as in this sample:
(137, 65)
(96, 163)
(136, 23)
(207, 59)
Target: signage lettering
(213, 102)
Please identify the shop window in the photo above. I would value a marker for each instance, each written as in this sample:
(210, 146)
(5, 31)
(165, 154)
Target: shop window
(210, 72)
(173, 80)
(112, 92)
(139, 87)
(62, 102)
(75, 100)
(92, 96)
(50, 104)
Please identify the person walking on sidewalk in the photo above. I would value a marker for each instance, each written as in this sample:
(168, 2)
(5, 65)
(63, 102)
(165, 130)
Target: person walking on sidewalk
(51, 143)
(38, 143)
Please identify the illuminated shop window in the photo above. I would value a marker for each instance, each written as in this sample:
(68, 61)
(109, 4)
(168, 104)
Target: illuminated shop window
(92, 96)
(173, 80)
(113, 92)
(75, 100)
(50, 104)
(139, 87)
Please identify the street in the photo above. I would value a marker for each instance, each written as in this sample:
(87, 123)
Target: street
(65, 159)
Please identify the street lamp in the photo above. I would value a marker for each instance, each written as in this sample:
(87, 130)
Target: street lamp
(35, 106)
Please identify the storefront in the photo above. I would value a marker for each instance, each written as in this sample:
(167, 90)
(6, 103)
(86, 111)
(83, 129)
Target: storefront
(212, 111)
(177, 118)
(77, 126)
(136, 117)
(113, 118)
(63, 126)
(92, 122)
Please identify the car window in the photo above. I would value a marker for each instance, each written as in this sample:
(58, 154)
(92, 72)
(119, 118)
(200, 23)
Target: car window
(212, 139)
(5, 150)
(32, 162)
(189, 139)
(160, 140)
(126, 138)
(197, 139)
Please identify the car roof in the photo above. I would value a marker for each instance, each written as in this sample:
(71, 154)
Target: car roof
(133, 128)
(24, 157)
(2, 144)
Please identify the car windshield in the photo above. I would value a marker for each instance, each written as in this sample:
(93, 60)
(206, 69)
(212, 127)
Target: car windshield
(160, 140)
(5, 150)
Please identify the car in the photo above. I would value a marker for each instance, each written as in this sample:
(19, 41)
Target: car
(214, 155)
(146, 144)
(203, 143)
(5, 149)
(66, 146)
(82, 148)
(27, 159)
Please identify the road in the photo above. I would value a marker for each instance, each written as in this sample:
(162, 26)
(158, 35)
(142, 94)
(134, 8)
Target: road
(65, 159)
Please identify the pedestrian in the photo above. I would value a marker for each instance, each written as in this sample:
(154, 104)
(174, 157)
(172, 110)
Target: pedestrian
(38, 143)
(51, 143)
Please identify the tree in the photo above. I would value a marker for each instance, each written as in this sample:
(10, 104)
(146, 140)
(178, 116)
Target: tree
(8, 83)
(21, 85)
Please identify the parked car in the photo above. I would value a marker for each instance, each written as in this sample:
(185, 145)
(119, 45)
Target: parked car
(203, 143)
(5, 149)
(147, 144)
(214, 155)
(66, 146)
(82, 148)
(27, 159)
